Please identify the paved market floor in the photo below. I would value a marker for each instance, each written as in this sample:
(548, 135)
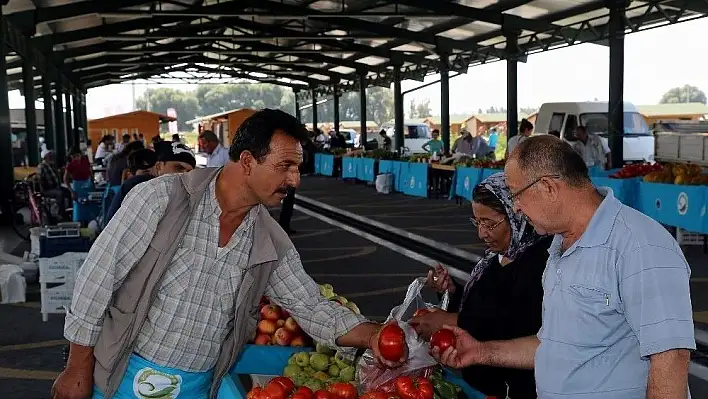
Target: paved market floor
(373, 277)
(444, 221)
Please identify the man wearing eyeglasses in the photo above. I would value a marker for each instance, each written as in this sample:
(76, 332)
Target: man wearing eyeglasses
(617, 320)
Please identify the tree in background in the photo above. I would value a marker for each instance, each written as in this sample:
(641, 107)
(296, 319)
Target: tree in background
(379, 107)
(684, 94)
(419, 111)
(211, 99)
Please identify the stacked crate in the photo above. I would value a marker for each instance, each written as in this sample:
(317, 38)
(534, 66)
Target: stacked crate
(61, 254)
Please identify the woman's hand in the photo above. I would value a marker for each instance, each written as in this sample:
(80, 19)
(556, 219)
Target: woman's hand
(425, 325)
(440, 280)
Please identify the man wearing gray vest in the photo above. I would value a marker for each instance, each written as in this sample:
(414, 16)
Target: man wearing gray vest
(617, 320)
(169, 292)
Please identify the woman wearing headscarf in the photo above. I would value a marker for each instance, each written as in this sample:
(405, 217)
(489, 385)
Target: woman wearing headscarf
(502, 298)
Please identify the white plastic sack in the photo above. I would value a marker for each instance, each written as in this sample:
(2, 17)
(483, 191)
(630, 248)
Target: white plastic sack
(384, 183)
(13, 286)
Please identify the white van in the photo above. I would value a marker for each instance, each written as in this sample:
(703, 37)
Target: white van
(565, 117)
(415, 134)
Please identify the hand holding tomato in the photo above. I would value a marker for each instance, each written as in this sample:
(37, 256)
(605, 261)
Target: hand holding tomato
(466, 351)
(426, 324)
(389, 345)
(439, 279)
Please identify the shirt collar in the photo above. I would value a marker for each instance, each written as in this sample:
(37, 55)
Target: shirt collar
(600, 227)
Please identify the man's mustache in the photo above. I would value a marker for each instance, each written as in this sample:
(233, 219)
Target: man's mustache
(284, 189)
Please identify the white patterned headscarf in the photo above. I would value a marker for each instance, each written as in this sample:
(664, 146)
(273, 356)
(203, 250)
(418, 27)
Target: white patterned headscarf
(523, 234)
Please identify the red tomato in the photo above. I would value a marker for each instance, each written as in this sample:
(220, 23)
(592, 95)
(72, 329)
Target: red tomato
(254, 393)
(392, 342)
(421, 312)
(343, 390)
(300, 395)
(414, 388)
(304, 391)
(323, 394)
(276, 390)
(374, 395)
(286, 382)
(442, 339)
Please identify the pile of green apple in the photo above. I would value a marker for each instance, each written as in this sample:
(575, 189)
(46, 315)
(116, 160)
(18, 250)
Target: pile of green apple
(316, 370)
(327, 291)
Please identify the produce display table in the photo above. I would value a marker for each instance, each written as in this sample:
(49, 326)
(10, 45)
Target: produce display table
(271, 360)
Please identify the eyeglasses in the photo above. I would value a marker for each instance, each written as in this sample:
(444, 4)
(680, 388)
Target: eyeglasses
(488, 227)
(515, 196)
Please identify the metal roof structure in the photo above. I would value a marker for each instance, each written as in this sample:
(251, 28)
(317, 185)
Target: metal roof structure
(303, 44)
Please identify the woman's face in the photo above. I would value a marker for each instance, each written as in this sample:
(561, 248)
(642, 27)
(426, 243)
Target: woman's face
(493, 227)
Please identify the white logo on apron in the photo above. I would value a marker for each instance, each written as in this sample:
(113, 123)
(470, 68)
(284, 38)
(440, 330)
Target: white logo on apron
(152, 384)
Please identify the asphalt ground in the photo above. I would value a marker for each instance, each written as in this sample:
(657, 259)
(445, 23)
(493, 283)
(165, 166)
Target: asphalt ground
(445, 221)
(373, 277)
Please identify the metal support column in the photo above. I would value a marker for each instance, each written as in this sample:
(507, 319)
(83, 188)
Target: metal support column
(398, 109)
(445, 102)
(59, 121)
(7, 170)
(32, 140)
(76, 106)
(512, 84)
(49, 132)
(298, 113)
(616, 97)
(335, 105)
(314, 111)
(69, 121)
(84, 117)
(362, 110)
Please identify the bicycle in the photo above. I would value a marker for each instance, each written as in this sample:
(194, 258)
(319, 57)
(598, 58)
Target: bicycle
(43, 211)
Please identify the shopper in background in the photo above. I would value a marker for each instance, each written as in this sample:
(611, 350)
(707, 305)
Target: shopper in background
(592, 149)
(145, 164)
(119, 162)
(50, 185)
(434, 146)
(502, 299)
(124, 141)
(77, 170)
(103, 149)
(525, 130)
(217, 154)
(493, 139)
(617, 321)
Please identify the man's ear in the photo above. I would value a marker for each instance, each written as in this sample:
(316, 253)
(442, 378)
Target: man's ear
(246, 160)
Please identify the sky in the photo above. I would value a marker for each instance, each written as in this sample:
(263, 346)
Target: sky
(656, 60)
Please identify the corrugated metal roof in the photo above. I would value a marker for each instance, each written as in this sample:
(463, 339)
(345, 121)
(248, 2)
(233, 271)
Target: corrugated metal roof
(306, 43)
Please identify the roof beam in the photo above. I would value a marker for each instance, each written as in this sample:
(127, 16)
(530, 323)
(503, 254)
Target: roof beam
(126, 26)
(350, 47)
(73, 9)
(353, 23)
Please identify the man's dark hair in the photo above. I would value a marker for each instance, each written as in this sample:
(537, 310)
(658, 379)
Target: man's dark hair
(74, 151)
(581, 128)
(126, 138)
(436, 131)
(255, 133)
(208, 136)
(141, 160)
(548, 155)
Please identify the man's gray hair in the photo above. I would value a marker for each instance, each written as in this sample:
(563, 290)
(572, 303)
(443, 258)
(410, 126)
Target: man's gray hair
(547, 155)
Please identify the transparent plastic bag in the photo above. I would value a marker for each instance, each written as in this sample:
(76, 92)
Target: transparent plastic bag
(372, 375)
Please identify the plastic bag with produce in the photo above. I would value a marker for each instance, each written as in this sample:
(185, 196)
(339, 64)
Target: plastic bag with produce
(371, 375)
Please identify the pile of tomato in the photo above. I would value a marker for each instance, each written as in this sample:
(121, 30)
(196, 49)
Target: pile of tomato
(636, 170)
(284, 388)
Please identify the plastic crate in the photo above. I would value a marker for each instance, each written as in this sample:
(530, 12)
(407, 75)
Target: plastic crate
(50, 247)
(55, 299)
(62, 268)
(688, 238)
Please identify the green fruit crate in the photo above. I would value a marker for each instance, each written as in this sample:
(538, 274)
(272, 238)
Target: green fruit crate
(269, 360)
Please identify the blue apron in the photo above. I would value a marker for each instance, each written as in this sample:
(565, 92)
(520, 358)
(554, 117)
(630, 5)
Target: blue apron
(146, 380)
